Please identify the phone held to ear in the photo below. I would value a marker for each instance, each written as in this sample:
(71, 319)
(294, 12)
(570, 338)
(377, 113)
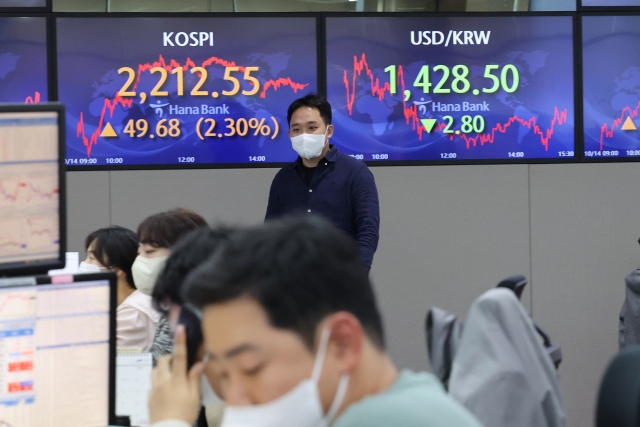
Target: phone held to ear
(193, 332)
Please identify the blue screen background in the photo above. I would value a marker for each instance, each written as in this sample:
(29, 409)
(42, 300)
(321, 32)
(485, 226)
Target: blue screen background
(23, 60)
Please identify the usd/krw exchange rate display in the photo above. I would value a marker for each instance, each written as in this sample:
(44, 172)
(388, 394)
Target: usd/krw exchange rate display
(611, 86)
(180, 91)
(452, 88)
(23, 60)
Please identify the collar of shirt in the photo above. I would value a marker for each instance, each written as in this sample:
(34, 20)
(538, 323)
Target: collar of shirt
(330, 157)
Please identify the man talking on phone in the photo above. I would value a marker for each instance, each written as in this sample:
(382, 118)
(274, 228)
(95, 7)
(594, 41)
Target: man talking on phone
(293, 337)
(324, 181)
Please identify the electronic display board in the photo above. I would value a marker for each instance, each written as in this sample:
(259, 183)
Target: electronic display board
(23, 3)
(610, 3)
(23, 59)
(452, 88)
(611, 86)
(182, 91)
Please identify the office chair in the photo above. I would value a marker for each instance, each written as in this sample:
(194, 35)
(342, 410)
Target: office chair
(619, 396)
(502, 373)
(443, 331)
(517, 283)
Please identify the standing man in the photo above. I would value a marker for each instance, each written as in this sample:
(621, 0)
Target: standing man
(324, 181)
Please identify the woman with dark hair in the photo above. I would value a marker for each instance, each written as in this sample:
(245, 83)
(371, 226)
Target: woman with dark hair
(115, 248)
(157, 233)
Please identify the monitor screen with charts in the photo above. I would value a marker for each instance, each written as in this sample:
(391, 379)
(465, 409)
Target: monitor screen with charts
(56, 351)
(147, 98)
(451, 88)
(31, 188)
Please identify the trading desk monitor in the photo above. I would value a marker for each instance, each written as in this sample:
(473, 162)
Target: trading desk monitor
(55, 351)
(23, 58)
(452, 88)
(611, 86)
(31, 178)
(182, 91)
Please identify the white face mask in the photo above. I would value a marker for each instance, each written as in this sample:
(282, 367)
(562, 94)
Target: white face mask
(300, 407)
(146, 271)
(309, 145)
(85, 267)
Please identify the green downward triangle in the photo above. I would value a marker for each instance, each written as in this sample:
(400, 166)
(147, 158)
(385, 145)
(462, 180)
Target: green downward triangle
(428, 124)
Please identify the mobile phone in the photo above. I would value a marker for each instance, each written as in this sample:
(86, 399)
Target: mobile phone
(193, 332)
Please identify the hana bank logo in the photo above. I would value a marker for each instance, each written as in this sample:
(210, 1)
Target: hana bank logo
(158, 108)
(422, 106)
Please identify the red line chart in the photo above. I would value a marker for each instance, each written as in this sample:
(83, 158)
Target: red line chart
(17, 304)
(606, 132)
(33, 99)
(16, 297)
(110, 104)
(27, 191)
(380, 90)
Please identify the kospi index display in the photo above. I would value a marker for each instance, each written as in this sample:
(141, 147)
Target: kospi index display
(452, 88)
(180, 91)
(23, 59)
(611, 86)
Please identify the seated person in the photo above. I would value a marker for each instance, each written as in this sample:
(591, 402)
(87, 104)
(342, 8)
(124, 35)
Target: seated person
(156, 234)
(190, 251)
(293, 337)
(115, 248)
(629, 326)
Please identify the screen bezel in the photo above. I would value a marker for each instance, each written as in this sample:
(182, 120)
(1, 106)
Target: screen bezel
(249, 165)
(39, 267)
(113, 303)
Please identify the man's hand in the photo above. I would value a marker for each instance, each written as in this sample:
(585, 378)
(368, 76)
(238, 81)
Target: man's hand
(175, 394)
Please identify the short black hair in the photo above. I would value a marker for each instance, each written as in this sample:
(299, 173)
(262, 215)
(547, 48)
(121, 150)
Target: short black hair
(312, 100)
(299, 269)
(114, 246)
(188, 253)
(165, 228)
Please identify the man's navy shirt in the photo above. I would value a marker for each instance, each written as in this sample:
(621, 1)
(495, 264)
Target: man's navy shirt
(342, 190)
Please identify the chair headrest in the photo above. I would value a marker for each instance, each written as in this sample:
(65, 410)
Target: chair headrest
(619, 395)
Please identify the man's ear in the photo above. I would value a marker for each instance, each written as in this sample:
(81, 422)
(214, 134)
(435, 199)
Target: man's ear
(330, 129)
(346, 340)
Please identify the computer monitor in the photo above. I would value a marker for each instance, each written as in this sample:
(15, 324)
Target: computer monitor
(23, 3)
(57, 351)
(32, 188)
(469, 88)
